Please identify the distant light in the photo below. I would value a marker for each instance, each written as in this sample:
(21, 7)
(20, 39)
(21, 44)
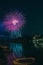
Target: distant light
(38, 41)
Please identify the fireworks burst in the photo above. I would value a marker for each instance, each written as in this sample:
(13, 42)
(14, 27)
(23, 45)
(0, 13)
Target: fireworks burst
(14, 21)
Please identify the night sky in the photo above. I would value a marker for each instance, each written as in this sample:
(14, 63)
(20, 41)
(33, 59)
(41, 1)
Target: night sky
(32, 10)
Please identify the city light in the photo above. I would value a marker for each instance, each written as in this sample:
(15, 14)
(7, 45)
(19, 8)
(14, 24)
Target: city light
(38, 41)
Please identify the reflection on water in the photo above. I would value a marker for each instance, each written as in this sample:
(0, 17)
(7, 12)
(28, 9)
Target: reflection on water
(17, 49)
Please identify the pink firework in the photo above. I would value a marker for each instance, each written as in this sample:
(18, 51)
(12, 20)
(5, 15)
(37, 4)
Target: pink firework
(13, 21)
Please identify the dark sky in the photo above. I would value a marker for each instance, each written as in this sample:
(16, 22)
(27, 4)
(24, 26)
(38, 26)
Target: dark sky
(33, 11)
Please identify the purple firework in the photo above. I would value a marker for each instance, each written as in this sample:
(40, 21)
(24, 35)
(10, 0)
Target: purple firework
(14, 21)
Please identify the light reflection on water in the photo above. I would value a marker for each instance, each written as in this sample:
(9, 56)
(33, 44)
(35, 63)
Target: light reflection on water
(17, 49)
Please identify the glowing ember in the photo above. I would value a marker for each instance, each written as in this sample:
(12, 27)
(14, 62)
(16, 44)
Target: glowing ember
(13, 21)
